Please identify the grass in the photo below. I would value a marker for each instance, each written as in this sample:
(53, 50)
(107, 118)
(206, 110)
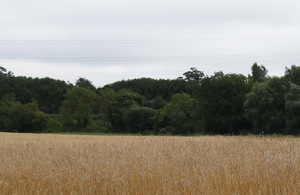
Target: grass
(82, 164)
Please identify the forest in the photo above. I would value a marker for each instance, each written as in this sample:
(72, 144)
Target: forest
(194, 104)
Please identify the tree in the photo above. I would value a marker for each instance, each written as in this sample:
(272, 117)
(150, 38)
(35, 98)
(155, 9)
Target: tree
(193, 75)
(124, 100)
(106, 97)
(78, 108)
(85, 83)
(293, 74)
(265, 105)
(259, 73)
(138, 119)
(156, 103)
(292, 105)
(23, 118)
(151, 88)
(221, 99)
(46, 92)
(177, 116)
(5, 73)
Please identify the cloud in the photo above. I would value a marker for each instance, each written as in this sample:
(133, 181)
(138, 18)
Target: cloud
(154, 12)
(137, 38)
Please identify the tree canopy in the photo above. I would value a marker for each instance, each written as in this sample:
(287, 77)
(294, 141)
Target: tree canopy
(192, 104)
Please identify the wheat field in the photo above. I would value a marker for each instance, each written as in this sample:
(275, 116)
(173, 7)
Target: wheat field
(70, 164)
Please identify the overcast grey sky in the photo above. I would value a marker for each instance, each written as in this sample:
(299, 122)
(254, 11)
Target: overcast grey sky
(110, 40)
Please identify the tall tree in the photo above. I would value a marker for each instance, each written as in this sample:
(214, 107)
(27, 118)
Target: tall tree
(176, 117)
(292, 105)
(78, 108)
(193, 75)
(22, 117)
(124, 100)
(4, 72)
(293, 74)
(138, 119)
(259, 73)
(46, 92)
(85, 83)
(221, 99)
(265, 105)
(151, 88)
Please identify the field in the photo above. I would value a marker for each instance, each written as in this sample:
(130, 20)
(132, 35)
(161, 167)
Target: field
(78, 164)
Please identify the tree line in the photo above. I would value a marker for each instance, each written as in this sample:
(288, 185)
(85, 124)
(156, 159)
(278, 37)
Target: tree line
(192, 104)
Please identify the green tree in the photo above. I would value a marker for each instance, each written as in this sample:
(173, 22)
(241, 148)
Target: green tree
(221, 99)
(265, 105)
(156, 103)
(5, 119)
(85, 83)
(138, 119)
(293, 74)
(47, 93)
(123, 101)
(292, 105)
(105, 101)
(259, 73)
(176, 117)
(150, 88)
(194, 75)
(23, 118)
(78, 108)
(5, 73)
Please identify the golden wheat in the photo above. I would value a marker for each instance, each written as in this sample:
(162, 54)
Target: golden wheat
(68, 164)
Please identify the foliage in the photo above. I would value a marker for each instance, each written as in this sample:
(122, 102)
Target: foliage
(54, 126)
(292, 105)
(177, 115)
(105, 100)
(265, 106)
(194, 75)
(5, 73)
(85, 83)
(293, 74)
(123, 101)
(78, 108)
(156, 103)
(22, 118)
(259, 73)
(138, 119)
(46, 92)
(221, 99)
(151, 88)
(191, 104)
(98, 126)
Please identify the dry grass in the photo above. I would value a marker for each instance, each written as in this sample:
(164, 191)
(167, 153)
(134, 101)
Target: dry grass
(67, 164)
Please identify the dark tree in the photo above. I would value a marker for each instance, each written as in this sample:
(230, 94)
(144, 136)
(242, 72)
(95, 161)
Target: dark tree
(23, 118)
(151, 88)
(292, 105)
(265, 105)
(193, 75)
(5, 73)
(293, 74)
(259, 73)
(138, 119)
(85, 83)
(77, 109)
(124, 100)
(221, 99)
(176, 117)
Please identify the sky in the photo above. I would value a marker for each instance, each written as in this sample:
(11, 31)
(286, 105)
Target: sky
(111, 40)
